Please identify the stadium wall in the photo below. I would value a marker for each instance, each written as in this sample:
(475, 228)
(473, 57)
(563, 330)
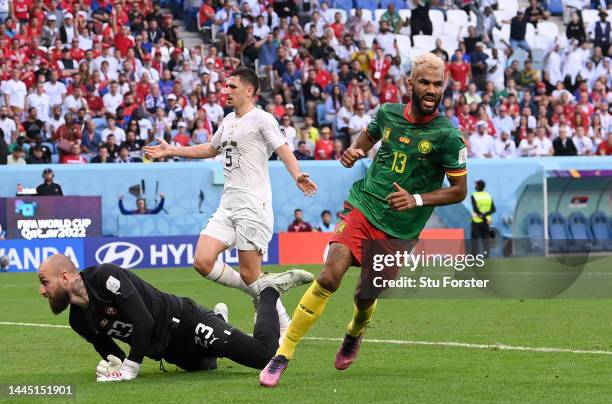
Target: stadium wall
(184, 183)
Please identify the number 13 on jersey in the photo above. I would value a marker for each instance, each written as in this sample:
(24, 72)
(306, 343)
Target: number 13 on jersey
(399, 162)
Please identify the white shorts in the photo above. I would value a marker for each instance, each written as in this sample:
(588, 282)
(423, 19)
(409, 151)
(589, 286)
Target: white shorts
(245, 228)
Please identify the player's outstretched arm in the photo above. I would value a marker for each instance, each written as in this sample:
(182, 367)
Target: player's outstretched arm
(163, 149)
(401, 199)
(358, 150)
(302, 180)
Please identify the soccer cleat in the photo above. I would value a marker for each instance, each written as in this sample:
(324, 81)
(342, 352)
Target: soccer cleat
(222, 310)
(285, 281)
(271, 374)
(347, 354)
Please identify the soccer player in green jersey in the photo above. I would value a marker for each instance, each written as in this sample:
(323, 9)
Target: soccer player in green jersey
(418, 147)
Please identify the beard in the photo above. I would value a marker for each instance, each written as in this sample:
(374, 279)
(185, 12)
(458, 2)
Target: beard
(59, 303)
(417, 103)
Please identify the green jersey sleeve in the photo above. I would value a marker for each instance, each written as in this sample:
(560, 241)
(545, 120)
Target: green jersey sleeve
(454, 155)
(373, 128)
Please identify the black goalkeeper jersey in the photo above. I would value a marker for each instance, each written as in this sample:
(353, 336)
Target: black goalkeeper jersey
(123, 306)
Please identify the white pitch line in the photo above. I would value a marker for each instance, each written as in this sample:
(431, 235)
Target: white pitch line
(34, 324)
(447, 344)
(498, 346)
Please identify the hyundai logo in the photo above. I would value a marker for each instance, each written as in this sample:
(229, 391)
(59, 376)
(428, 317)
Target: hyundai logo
(124, 254)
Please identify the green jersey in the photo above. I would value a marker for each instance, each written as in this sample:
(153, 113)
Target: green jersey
(416, 156)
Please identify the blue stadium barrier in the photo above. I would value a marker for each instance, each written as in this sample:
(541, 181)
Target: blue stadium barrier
(182, 183)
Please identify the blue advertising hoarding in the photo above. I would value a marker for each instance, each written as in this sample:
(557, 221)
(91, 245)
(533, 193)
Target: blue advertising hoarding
(27, 255)
(127, 252)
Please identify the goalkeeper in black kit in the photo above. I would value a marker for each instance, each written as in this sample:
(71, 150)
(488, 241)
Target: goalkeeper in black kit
(108, 302)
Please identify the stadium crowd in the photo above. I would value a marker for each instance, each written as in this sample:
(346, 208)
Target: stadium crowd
(94, 81)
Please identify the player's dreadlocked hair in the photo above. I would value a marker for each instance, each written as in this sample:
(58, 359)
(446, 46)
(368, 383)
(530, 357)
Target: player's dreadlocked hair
(428, 60)
(248, 77)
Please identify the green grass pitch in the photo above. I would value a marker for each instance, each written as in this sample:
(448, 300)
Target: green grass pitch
(384, 372)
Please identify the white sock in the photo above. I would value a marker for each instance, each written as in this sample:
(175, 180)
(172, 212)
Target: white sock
(224, 275)
(254, 290)
(283, 317)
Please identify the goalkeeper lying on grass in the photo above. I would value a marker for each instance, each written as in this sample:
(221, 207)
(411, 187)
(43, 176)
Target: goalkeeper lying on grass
(107, 301)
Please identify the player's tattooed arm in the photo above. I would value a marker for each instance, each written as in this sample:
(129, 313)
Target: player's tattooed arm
(302, 180)
(163, 149)
(358, 150)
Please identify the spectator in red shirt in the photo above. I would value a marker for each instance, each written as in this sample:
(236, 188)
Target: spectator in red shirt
(338, 26)
(21, 9)
(324, 147)
(467, 122)
(389, 91)
(94, 101)
(207, 14)
(605, 148)
(379, 66)
(322, 76)
(182, 138)
(124, 41)
(459, 70)
(74, 157)
(298, 224)
(278, 108)
(69, 131)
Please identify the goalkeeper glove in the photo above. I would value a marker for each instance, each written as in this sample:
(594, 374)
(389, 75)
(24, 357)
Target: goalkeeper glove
(128, 371)
(104, 368)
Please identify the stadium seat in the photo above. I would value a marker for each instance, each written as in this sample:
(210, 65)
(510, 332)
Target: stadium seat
(511, 6)
(341, 11)
(345, 5)
(555, 7)
(403, 42)
(543, 42)
(579, 232)
(367, 4)
(424, 41)
(558, 233)
(503, 33)
(535, 232)
(420, 50)
(452, 28)
(367, 14)
(600, 226)
(321, 114)
(457, 17)
(405, 14)
(437, 22)
(449, 43)
(378, 13)
(369, 39)
(589, 17)
(399, 4)
(547, 28)
(530, 35)
(502, 15)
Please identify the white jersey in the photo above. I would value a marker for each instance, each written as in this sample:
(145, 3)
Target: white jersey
(245, 145)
